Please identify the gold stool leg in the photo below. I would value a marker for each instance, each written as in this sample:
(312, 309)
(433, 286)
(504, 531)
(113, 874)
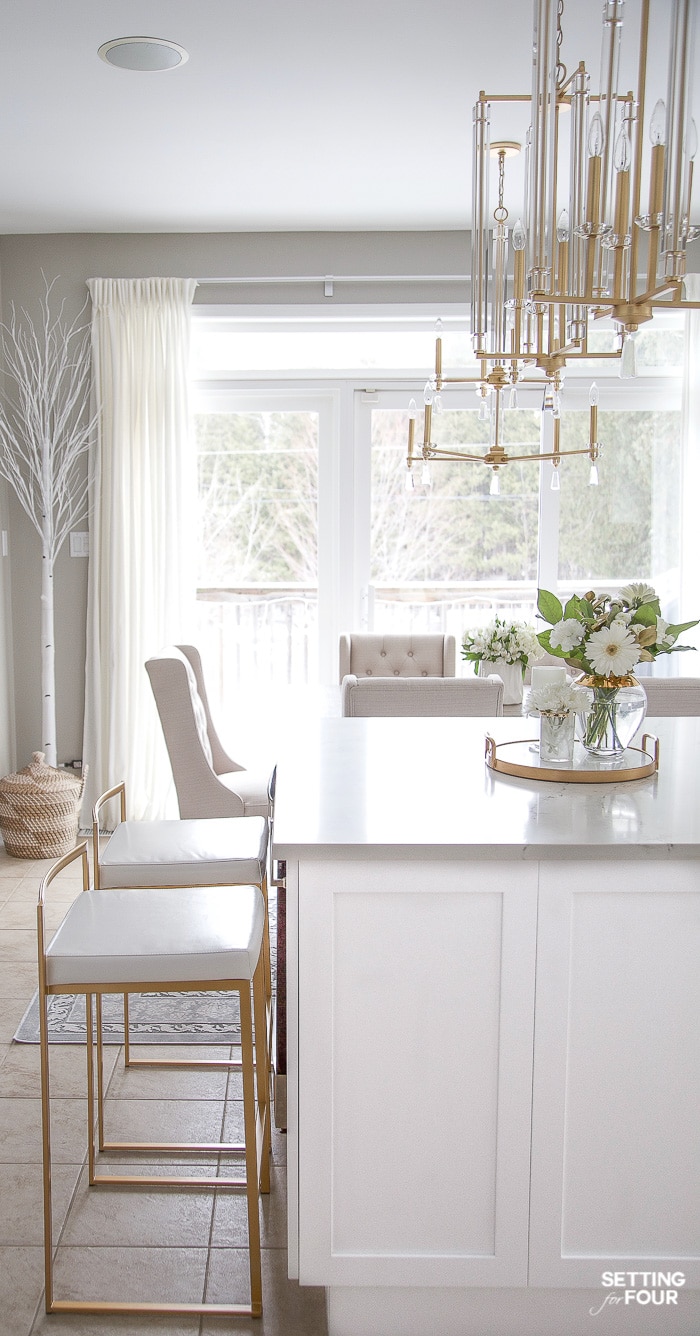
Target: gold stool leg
(46, 1142)
(251, 1152)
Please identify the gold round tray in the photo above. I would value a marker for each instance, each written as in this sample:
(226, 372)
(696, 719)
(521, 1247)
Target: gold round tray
(524, 761)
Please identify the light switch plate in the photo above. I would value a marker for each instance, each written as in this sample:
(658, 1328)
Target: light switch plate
(80, 544)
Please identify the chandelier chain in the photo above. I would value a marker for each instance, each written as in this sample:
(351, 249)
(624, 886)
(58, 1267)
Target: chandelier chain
(500, 213)
(561, 67)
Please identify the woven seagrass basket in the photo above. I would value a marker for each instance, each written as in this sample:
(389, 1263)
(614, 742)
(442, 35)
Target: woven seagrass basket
(39, 809)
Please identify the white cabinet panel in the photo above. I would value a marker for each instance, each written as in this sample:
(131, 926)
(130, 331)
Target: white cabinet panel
(415, 1042)
(616, 1135)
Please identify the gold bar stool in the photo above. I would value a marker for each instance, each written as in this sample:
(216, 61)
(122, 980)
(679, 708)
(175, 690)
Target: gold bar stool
(215, 851)
(140, 939)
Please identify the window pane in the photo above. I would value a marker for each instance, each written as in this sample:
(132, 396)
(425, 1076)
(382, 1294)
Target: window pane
(627, 527)
(448, 556)
(258, 550)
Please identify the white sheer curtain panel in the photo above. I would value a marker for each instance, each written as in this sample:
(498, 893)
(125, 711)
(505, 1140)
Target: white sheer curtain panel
(141, 583)
(689, 664)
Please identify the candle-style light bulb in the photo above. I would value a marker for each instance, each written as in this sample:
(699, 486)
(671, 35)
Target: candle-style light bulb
(438, 325)
(622, 156)
(555, 486)
(483, 411)
(495, 488)
(691, 141)
(596, 137)
(410, 480)
(657, 124)
(593, 476)
(513, 398)
(594, 395)
(518, 236)
(563, 226)
(412, 410)
(428, 393)
(426, 476)
(628, 361)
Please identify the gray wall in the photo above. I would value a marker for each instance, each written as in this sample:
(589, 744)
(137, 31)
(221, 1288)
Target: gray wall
(72, 259)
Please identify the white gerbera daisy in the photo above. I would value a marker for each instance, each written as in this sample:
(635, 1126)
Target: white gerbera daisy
(637, 594)
(612, 652)
(567, 634)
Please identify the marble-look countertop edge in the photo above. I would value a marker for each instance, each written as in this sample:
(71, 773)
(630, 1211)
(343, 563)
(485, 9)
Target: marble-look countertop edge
(521, 853)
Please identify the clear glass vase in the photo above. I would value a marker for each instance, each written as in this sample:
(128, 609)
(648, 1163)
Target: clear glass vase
(557, 738)
(617, 710)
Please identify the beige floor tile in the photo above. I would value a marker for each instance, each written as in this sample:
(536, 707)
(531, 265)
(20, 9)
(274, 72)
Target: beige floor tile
(17, 913)
(163, 1120)
(142, 1275)
(172, 1083)
(139, 1217)
(67, 1067)
(289, 1309)
(231, 1222)
(90, 1324)
(21, 1287)
(22, 1197)
(18, 944)
(13, 1009)
(20, 1131)
(18, 978)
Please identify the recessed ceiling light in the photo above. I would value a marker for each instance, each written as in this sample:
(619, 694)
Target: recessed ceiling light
(147, 54)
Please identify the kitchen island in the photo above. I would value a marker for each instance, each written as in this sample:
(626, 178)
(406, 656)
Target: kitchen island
(493, 1043)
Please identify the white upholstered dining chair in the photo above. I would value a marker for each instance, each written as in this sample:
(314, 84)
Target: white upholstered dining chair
(370, 697)
(672, 695)
(367, 655)
(208, 782)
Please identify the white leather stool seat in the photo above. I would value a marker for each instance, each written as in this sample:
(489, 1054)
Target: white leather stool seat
(199, 852)
(137, 936)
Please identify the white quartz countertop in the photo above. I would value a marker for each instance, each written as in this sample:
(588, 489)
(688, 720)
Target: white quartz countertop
(418, 787)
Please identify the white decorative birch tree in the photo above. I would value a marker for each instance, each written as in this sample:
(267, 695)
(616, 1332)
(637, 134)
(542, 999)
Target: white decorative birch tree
(45, 429)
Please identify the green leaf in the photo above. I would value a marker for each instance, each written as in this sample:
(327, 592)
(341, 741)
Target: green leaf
(573, 607)
(645, 615)
(549, 606)
(678, 630)
(586, 610)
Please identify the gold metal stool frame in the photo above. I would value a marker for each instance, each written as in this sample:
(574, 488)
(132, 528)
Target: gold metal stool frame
(119, 791)
(256, 1114)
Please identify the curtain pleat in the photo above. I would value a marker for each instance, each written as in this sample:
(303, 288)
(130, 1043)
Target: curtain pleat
(690, 482)
(141, 582)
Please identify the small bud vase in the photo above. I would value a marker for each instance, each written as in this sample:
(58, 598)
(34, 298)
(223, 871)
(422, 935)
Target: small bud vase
(617, 709)
(511, 675)
(557, 738)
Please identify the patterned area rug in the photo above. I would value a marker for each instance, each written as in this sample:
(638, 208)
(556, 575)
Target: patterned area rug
(154, 1018)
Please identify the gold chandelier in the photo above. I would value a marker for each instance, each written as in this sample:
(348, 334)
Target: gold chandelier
(586, 246)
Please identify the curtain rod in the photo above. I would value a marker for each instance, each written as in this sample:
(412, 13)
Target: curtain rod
(329, 280)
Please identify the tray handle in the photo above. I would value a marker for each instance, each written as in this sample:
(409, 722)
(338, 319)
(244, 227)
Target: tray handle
(651, 737)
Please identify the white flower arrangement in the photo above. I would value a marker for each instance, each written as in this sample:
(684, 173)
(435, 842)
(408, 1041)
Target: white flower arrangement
(558, 698)
(606, 636)
(504, 642)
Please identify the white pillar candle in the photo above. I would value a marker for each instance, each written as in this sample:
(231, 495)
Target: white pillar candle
(548, 676)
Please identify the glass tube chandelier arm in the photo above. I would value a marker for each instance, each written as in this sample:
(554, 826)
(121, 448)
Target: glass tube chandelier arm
(480, 241)
(677, 125)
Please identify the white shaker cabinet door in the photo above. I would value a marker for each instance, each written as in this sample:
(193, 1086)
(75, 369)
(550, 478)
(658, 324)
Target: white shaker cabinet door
(415, 1067)
(616, 1131)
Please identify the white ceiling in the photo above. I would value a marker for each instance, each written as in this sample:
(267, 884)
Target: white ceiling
(289, 114)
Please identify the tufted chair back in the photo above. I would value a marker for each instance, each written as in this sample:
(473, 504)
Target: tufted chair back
(397, 656)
